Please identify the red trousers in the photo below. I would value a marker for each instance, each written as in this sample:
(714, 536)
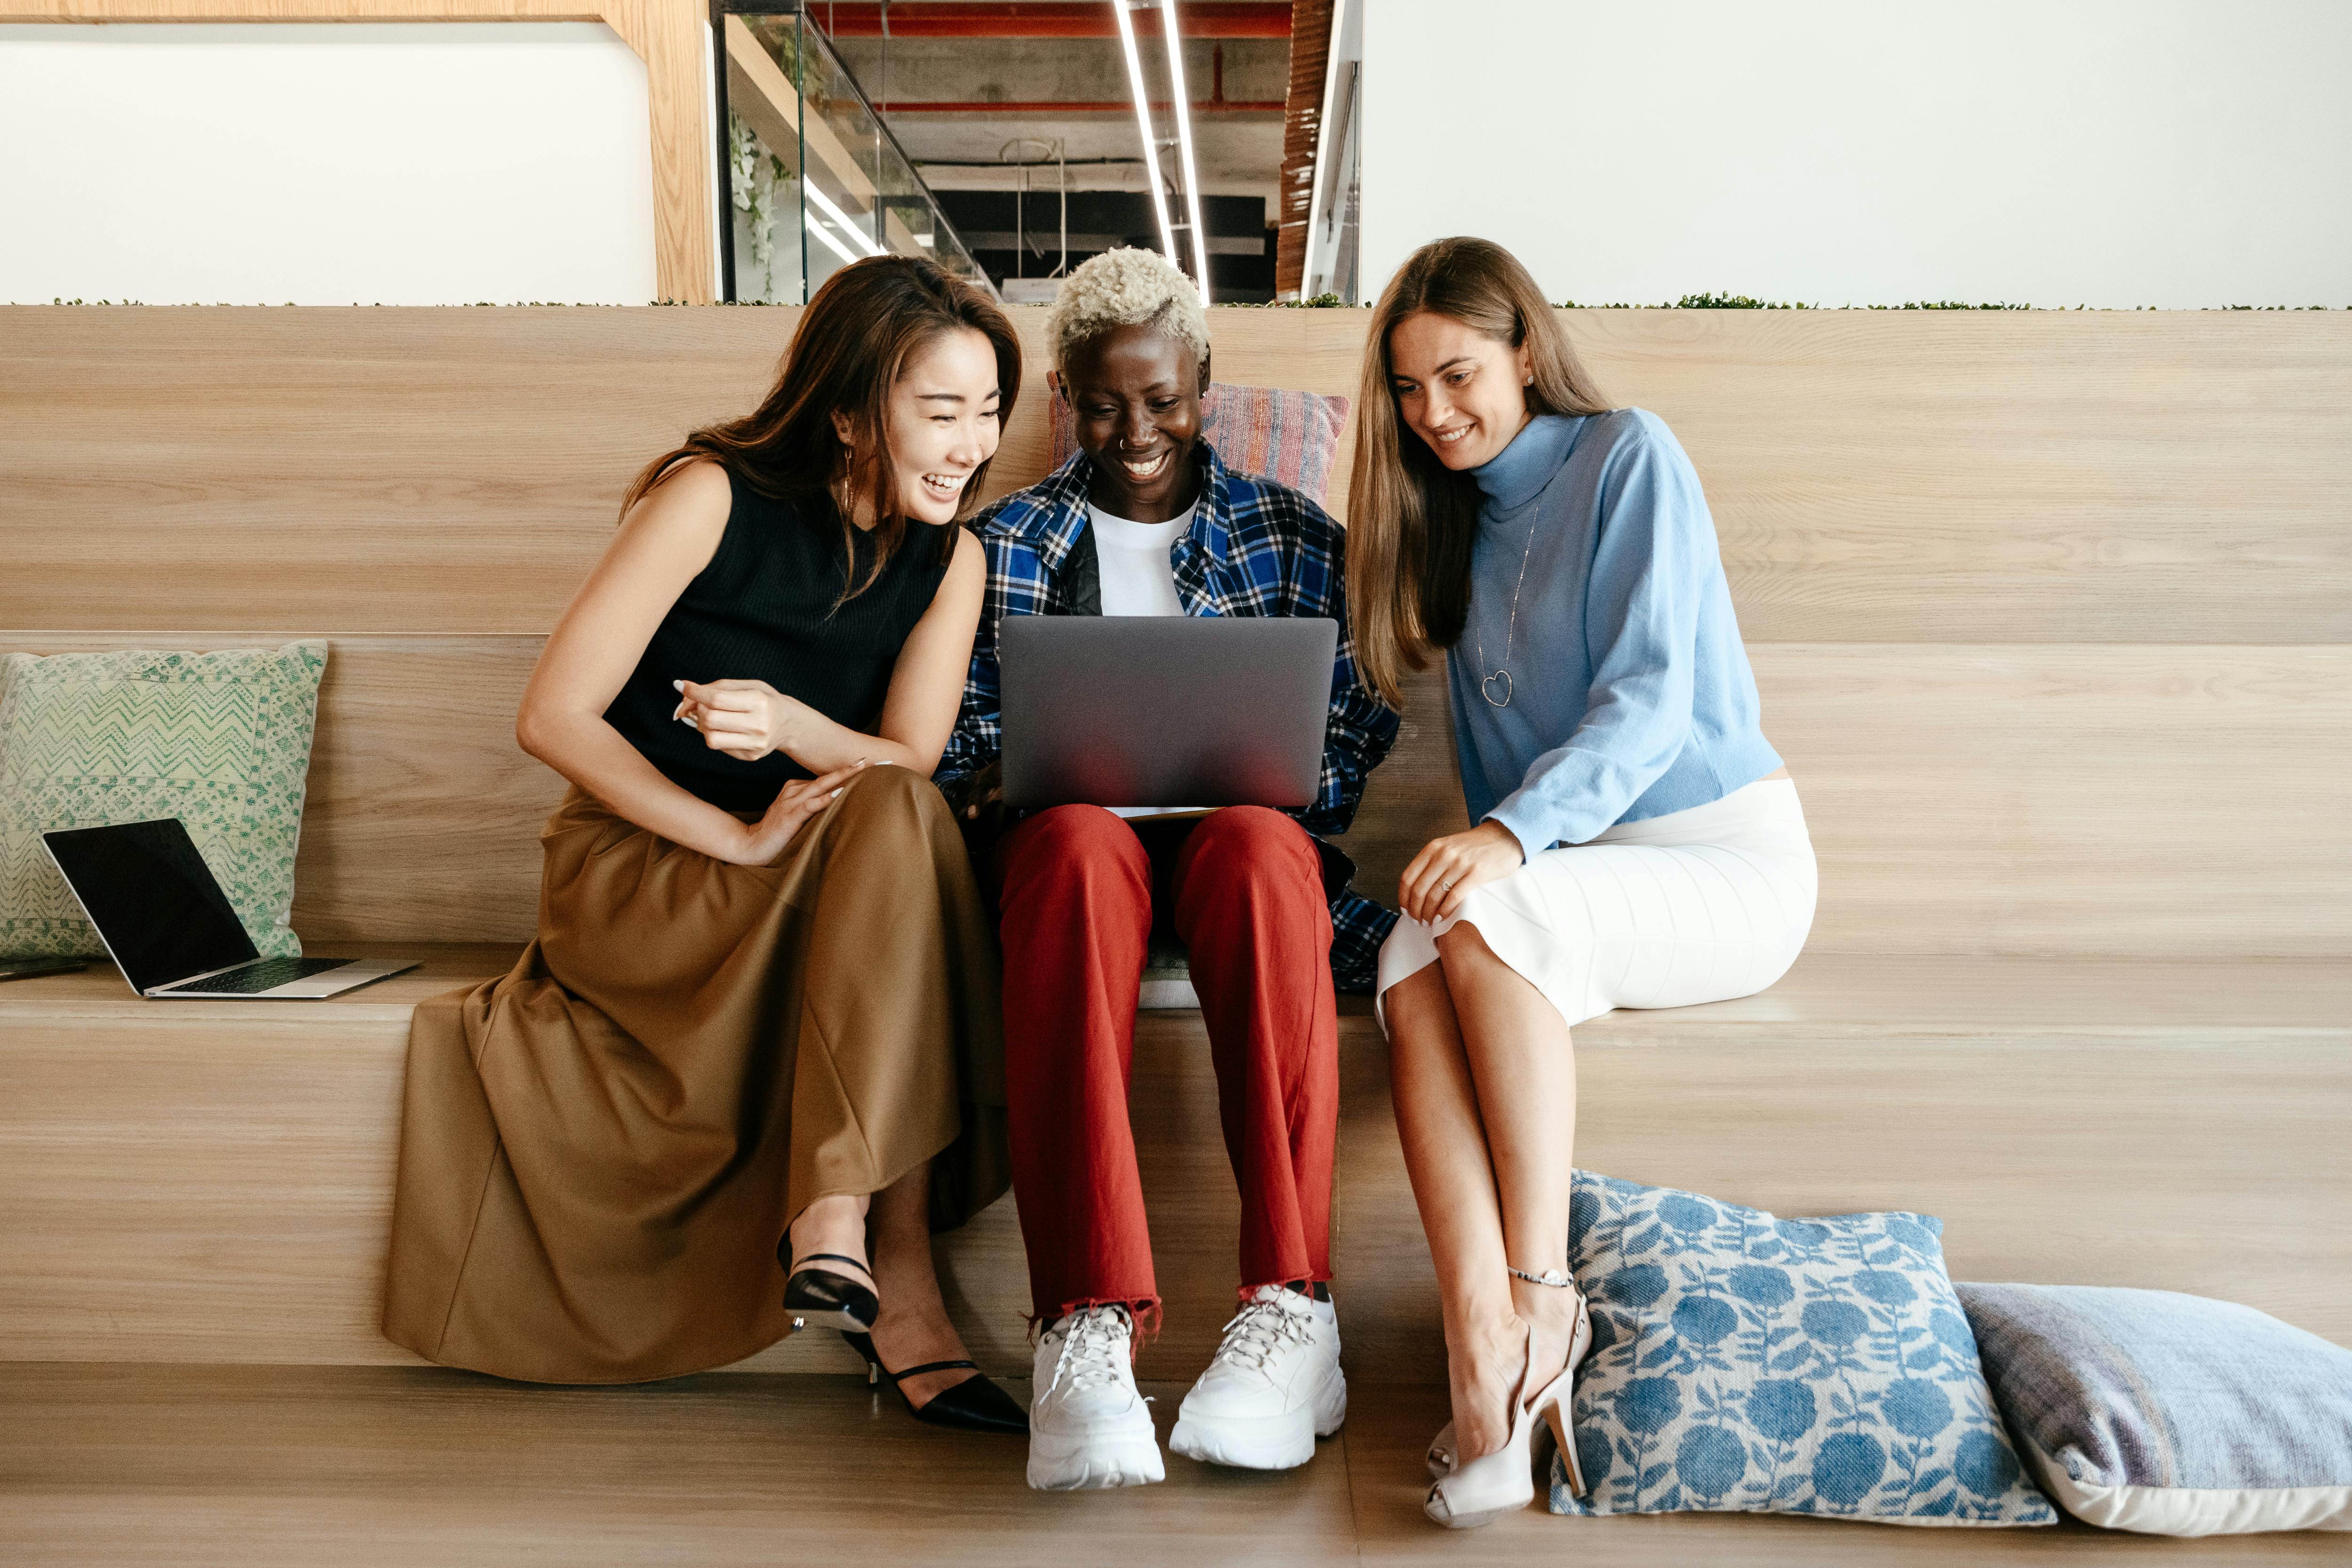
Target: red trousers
(1244, 890)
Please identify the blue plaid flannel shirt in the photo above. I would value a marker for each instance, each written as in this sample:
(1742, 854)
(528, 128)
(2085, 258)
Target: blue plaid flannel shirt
(1255, 548)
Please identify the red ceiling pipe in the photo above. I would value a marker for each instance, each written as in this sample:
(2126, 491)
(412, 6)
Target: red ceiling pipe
(1045, 19)
(1065, 106)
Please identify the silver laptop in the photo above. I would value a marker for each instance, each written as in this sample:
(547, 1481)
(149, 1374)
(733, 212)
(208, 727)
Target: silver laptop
(1192, 711)
(169, 927)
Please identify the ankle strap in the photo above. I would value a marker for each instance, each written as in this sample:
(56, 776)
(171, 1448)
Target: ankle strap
(833, 1257)
(1558, 1279)
(930, 1366)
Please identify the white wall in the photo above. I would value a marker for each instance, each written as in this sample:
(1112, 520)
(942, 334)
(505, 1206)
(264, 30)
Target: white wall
(333, 165)
(2109, 153)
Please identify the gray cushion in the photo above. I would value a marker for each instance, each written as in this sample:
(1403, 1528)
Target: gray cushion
(2170, 1414)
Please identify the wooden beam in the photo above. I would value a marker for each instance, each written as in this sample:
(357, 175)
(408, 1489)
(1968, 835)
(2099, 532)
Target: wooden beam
(1310, 41)
(667, 35)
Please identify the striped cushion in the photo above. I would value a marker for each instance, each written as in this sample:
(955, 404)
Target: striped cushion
(1270, 431)
(2170, 1414)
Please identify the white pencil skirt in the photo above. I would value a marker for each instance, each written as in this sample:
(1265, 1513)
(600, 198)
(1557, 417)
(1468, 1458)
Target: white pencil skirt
(1698, 906)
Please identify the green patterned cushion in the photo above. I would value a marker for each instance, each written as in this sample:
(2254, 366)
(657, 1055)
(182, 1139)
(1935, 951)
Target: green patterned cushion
(221, 741)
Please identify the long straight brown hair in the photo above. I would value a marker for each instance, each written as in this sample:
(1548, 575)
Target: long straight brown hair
(1411, 520)
(854, 341)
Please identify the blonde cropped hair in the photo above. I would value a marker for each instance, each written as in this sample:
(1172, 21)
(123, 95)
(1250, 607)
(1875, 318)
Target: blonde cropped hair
(1125, 287)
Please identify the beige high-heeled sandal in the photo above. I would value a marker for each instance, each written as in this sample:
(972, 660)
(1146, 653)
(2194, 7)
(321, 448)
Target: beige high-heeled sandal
(1443, 1459)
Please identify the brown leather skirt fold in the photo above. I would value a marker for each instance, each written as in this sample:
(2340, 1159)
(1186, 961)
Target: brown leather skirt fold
(600, 1149)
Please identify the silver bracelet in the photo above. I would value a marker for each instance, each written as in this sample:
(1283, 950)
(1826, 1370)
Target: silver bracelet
(1558, 1279)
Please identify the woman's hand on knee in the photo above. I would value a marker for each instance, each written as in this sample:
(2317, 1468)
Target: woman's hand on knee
(794, 803)
(1443, 874)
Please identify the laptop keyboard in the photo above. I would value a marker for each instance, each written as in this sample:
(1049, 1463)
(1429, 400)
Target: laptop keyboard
(266, 975)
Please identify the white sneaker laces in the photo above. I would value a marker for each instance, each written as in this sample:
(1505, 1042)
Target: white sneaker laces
(1260, 1329)
(1093, 1354)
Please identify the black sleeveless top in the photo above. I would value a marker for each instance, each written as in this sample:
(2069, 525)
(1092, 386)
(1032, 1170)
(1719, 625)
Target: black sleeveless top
(762, 610)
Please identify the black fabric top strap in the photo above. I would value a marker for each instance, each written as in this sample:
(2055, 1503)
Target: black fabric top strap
(833, 1257)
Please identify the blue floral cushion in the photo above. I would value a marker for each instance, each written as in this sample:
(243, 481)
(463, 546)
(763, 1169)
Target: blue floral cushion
(1744, 1363)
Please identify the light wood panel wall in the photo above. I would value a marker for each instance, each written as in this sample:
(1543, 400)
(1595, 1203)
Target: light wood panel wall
(1875, 476)
(2047, 800)
(2007, 739)
(422, 818)
(2061, 668)
(213, 1184)
(216, 1184)
(1958, 477)
(667, 35)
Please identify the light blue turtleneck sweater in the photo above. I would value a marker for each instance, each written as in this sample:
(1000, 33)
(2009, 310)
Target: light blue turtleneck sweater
(1630, 692)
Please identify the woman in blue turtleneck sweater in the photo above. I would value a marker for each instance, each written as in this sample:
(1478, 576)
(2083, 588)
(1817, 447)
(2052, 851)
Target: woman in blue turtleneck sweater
(1635, 841)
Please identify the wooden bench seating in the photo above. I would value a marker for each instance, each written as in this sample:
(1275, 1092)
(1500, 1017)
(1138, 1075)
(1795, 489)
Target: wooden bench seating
(2051, 614)
(213, 1184)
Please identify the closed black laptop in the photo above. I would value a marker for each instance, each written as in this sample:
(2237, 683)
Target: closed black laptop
(168, 925)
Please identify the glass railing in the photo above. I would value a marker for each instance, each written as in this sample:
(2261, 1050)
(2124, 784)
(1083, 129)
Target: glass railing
(815, 180)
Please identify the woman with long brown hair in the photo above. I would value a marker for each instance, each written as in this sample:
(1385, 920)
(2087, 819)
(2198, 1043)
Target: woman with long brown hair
(759, 1021)
(1635, 841)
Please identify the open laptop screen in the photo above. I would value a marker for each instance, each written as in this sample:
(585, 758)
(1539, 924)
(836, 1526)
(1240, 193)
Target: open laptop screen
(151, 896)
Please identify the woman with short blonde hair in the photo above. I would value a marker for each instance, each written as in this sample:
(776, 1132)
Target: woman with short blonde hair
(1635, 841)
(1145, 518)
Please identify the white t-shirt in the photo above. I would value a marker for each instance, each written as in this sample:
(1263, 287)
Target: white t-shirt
(1138, 577)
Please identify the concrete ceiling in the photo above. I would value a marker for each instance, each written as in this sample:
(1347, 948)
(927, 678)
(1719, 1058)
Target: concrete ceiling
(963, 106)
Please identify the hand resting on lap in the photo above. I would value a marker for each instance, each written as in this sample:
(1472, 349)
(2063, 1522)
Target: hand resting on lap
(1443, 874)
(794, 803)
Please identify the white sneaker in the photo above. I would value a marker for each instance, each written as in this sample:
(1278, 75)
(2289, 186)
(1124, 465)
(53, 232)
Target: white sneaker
(1274, 1387)
(1088, 1427)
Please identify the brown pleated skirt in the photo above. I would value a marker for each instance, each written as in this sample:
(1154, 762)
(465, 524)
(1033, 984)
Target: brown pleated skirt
(600, 1149)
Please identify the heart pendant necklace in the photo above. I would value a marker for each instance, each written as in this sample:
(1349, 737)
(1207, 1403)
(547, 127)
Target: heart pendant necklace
(1499, 678)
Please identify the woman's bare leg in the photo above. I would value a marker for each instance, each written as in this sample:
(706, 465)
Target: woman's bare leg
(1453, 1186)
(914, 1326)
(835, 1225)
(1521, 1060)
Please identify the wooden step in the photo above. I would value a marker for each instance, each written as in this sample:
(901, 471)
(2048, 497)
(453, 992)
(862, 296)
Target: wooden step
(212, 1182)
(2009, 800)
(206, 1466)
(1875, 477)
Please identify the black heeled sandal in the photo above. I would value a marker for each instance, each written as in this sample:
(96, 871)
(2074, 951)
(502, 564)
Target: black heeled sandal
(822, 1298)
(975, 1405)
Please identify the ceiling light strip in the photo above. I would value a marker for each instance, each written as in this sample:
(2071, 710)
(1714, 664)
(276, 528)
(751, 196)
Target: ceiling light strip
(816, 228)
(1185, 146)
(1143, 125)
